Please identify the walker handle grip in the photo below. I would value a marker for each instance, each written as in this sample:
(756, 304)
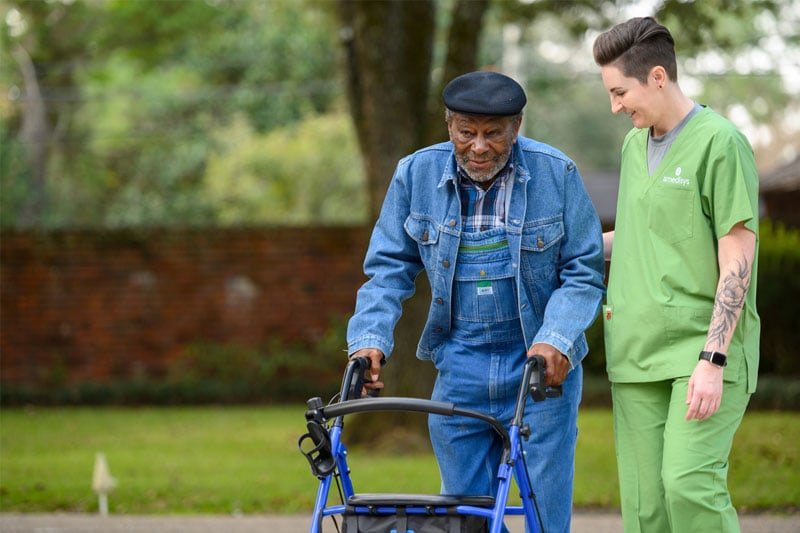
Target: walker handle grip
(540, 391)
(357, 368)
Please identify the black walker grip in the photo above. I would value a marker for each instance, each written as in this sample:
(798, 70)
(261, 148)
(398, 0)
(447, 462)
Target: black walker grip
(358, 379)
(537, 383)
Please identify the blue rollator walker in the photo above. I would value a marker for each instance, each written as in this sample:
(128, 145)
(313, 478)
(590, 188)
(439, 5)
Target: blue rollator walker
(417, 513)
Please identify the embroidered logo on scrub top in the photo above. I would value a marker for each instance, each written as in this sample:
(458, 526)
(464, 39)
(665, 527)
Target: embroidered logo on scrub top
(676, 179)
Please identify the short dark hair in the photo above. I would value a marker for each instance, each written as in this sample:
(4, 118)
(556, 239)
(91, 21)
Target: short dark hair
(637, 45)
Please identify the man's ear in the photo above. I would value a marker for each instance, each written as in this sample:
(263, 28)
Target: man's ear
(517, 126)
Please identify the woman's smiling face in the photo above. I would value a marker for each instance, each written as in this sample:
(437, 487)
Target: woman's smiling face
(630, 96)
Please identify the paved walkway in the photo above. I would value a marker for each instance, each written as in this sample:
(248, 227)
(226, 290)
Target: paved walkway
(583, 522)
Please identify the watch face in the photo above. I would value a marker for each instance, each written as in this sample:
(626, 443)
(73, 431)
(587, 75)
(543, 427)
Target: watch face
(715, 358)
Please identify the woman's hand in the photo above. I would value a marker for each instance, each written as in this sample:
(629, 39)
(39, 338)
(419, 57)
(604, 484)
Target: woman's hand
(705, 391)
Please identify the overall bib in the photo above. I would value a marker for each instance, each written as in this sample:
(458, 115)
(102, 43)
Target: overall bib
(480, 367)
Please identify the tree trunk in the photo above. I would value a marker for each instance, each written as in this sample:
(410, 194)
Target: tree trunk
(463, 42)
(389, 49)
(34, 135)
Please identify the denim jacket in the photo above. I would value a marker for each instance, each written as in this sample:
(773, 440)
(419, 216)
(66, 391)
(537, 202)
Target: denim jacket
(553, 232)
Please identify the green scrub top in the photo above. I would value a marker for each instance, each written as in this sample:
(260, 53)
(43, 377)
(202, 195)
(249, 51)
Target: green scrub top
(664, 268)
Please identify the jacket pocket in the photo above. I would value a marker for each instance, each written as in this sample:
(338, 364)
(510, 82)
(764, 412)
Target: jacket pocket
(540, 245)
(424, 231)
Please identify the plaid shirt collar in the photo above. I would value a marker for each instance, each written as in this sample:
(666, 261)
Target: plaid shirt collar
(481, 209)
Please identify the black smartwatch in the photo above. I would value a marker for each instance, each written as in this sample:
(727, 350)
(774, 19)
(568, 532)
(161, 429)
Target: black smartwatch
(715, 358)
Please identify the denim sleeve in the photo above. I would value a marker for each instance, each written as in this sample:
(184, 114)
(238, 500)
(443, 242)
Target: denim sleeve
(391, 265)
(574, 305)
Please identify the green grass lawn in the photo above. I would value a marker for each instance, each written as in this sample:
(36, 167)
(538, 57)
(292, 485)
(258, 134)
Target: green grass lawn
(245, 459)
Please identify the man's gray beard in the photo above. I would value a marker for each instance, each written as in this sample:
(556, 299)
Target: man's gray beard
(492, 172)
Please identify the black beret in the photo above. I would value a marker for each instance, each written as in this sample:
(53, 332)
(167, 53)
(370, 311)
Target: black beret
(484, 93)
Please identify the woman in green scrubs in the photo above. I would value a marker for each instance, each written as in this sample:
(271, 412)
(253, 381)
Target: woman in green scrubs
(681, 327)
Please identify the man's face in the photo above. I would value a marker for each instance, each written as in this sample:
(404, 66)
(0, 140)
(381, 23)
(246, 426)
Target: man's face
(482, 144)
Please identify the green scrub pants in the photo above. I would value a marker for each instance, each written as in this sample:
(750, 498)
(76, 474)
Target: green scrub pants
(673, 472)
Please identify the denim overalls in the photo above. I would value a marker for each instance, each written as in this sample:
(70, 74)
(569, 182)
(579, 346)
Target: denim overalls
(480, 367)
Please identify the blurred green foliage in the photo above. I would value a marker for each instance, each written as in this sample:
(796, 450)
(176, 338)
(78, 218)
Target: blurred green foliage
(777, 297)
(133, 113)
(300, 174)
(232, 112)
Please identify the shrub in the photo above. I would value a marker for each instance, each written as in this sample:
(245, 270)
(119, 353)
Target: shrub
(778, 294)
(212, 373)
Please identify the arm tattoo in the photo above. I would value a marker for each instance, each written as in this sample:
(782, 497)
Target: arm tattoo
(729, 302)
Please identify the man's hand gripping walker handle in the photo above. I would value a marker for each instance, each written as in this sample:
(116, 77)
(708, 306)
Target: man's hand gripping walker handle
(365, 382)
(537, 383)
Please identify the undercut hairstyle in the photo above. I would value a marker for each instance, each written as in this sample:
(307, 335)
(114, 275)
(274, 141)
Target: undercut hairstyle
(635, 47)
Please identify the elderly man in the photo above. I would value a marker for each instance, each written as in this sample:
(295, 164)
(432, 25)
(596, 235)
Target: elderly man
(513, 251)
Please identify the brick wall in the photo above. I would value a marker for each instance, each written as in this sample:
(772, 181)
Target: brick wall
(104, 304)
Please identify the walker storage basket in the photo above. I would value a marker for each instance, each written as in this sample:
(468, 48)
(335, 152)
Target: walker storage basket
(383, 513)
